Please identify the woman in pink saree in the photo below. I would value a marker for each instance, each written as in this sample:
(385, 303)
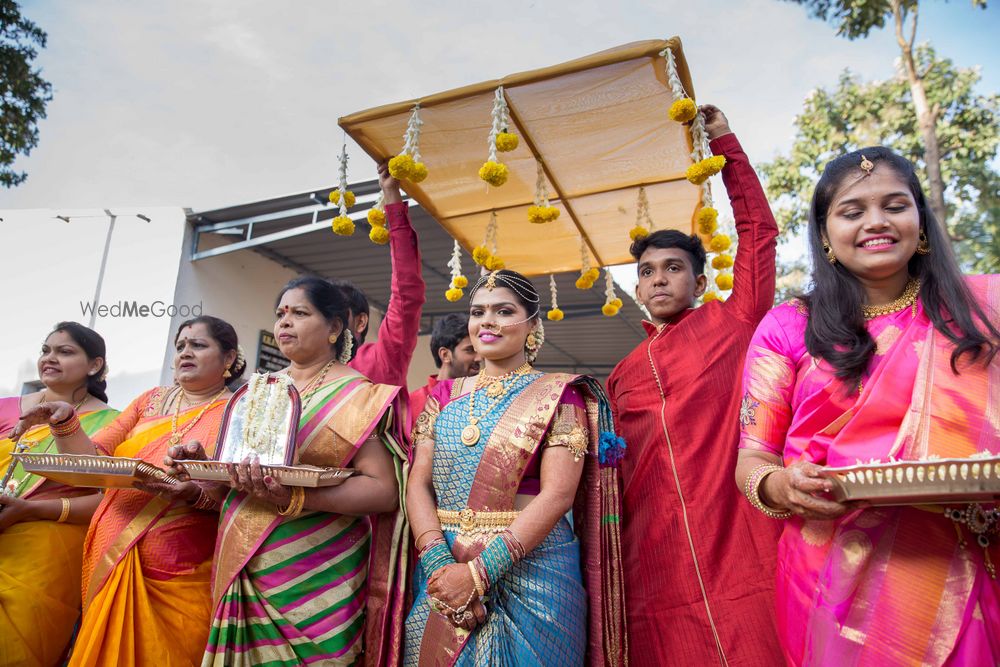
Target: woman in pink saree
(891, 355)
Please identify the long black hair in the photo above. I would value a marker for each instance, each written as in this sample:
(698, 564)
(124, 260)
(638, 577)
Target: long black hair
(328, 299)
(223, 333)
(93, 346)
(836, 330)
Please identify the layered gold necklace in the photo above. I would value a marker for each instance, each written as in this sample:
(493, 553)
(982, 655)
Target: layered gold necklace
(496, 388)
(175, 435)
(906, 300)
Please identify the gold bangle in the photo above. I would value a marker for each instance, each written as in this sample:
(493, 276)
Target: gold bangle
(65, 511)
(751, 489)
(476, 581)
(295, 504)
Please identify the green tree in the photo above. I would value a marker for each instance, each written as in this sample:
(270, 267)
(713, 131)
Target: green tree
(856, 114)
(23, 91)
(857, 18)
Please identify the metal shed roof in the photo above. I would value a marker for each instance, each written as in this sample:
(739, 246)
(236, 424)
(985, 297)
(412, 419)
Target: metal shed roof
(294, 230)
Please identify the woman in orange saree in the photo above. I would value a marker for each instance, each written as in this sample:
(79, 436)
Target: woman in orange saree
(148, 554)
(891, 356)
(43, 523)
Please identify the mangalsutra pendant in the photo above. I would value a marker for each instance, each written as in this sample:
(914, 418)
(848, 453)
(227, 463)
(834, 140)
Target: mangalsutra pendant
(494, 388)
(471, 434)
(175, 439)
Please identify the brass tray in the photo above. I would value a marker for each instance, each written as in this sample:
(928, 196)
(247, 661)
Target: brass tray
(934, 481)
(310, 476)
(103, 472)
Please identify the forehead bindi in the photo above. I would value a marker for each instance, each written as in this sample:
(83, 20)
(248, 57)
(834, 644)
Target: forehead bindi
(294, 298)
(881, 183)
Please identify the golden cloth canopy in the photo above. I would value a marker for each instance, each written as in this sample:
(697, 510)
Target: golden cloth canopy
(599, 127)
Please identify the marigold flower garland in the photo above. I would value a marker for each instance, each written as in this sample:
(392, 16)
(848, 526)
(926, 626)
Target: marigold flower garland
(407, 165)
(493, 172)
(378, 234)
(705, 165)
(542, 211)
(458, 281)
(643, 221)
(612, 304)
(588, 274)
(485, 255)
(554, 314)
(343, 225)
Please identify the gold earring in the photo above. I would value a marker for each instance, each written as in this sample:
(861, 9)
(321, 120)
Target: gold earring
(226, 374)
(923, 245)
(531, 342)
(332, 339)
(828, 249)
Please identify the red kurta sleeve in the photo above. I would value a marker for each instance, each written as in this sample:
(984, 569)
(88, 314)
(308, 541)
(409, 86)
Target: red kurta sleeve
(387, 360)
(753, 272)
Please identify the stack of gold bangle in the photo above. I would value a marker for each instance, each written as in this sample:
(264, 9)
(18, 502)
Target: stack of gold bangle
(476, 580)
(751, 489)
(295, 504)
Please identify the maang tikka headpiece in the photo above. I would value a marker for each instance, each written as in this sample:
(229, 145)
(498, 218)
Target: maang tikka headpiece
(867, 165)
(491, 281)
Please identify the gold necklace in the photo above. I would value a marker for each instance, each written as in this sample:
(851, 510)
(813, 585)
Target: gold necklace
(175, 435)
(906, 299)
(496, 388)
(316, 382)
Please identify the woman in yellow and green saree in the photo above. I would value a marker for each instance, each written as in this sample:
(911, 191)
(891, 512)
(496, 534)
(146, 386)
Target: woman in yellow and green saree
(43, 523)
(148, 554)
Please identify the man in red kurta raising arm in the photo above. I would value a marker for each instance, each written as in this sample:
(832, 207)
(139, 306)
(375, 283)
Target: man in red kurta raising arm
(387, 360)
(699, 562)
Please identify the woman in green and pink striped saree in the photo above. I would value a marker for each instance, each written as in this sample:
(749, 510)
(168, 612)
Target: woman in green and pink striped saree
(308, 576)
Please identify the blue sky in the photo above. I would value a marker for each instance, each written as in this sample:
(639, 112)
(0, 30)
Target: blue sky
(205, 104)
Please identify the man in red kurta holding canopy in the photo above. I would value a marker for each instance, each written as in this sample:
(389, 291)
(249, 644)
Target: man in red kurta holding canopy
(699, 560)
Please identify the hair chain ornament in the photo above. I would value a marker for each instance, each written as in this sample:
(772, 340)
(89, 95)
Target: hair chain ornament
(342, 224)
(458, 281)
(495, 173)
(521, 286)
(554, 314)
(408, 165)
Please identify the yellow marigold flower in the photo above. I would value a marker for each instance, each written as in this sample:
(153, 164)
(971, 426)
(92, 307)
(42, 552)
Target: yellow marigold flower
(617, 302)
(720, 262)
(454, 294)
(707, 220)
(552, 213)
(593, 274)
(711, 296)
(506, 142)
(378, 235)
(376, 217)
(683, 110)
(343, 225)
(638, 232)
(494, 173)
(400, 166)
(418, 172)
(719, 243)
(609, 309)
(460, 282)
(535, 215)
(494, 263)
(349, 198)
(700, 171)
(480, 254)
(555, 314)
(583, 282)
(724, 281)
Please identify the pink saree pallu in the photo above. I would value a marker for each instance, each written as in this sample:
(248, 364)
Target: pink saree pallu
(886, 585)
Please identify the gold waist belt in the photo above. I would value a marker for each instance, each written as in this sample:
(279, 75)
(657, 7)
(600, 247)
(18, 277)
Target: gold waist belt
(469, 521)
